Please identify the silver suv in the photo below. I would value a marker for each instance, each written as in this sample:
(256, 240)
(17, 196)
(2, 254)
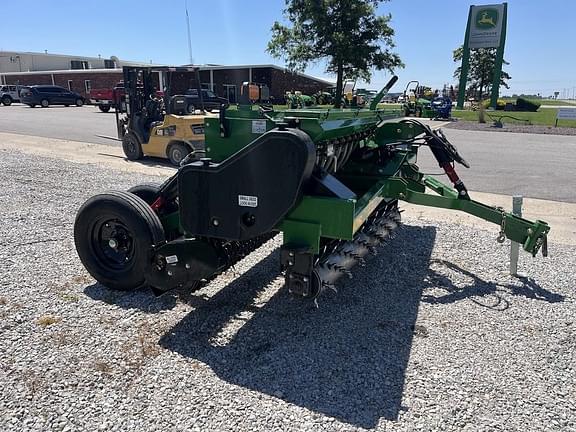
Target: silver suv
(10, 93)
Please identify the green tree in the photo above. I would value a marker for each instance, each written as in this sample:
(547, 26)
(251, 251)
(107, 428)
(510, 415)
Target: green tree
(481, 72)
(347, 33)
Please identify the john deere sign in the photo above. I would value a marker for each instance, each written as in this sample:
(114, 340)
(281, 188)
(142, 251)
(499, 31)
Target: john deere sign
(486, 18)
(486, 27)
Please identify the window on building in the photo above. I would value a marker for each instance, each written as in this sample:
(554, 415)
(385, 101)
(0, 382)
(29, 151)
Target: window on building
(109, 64)
(87, 86)
(79, 64)
(70, 87)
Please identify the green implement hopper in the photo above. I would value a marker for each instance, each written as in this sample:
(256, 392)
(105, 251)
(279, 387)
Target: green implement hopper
(329, 179)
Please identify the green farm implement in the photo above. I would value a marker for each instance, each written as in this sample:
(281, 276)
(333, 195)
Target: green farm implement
(328, 179)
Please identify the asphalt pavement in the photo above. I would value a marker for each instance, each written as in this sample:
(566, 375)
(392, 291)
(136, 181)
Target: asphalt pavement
(532, 165)
(536, 166)
(82, 124)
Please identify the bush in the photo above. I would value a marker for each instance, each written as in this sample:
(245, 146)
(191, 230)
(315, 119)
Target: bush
(526, 105)
(500, 104)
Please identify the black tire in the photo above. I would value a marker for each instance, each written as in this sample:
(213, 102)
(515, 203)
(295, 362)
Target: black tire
(6, 101)
(32, 105)
(190, 109)
(113, 233)
(44, 103)
(177, 152)
(104, 108)
(66, 105)
(146, 191)
(132, 146)
(79, 102)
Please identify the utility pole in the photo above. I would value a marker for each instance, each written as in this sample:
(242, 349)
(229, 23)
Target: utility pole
(189, 38)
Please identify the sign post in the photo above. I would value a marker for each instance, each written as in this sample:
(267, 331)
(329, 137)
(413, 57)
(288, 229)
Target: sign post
(499, 57)
(515, 247)
(486, 28)
(465, 64)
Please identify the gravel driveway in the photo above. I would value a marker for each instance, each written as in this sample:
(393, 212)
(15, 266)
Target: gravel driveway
(510, 126)
(431, 335)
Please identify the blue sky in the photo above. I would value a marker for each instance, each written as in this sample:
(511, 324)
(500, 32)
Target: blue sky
(540, 43)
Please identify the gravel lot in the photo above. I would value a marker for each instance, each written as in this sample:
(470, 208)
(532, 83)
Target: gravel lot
(427, 336)
(510, 126)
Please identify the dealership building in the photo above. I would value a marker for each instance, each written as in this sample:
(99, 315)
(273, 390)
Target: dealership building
(81, 74)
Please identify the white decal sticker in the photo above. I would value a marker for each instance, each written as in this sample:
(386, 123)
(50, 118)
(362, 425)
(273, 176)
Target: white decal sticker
(258, 126)
(247, 201)
(172, 259)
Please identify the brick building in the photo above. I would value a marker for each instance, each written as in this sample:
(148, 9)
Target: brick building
(225, 81)
(81, 74)
(80, 81)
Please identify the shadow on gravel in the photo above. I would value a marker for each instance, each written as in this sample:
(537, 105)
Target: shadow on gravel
(346, 359)
(479, 288)
(142, 299)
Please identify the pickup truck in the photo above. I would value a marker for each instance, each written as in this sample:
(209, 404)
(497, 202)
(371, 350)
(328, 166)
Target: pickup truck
(107, 98)
(209, 98)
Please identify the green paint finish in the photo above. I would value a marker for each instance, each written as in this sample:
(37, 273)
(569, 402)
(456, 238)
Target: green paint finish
(321, 124)
(395, 131)
(499, 58)
(242, 127)
(315, 217)
(465, 64)
(361, 175)
(374, 192)
(302, 234)
(335, 216)
(440, 188)
(530, 234)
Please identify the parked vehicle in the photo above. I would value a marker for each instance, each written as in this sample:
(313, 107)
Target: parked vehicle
(209, 98)
(46, 95)
(107, 98)
(442, 107)
(10, 94)
(416, 101)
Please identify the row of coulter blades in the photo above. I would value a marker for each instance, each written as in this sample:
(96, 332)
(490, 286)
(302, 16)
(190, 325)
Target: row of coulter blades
(339, 257)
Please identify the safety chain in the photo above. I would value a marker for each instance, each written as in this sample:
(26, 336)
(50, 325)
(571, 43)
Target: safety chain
(502, 235)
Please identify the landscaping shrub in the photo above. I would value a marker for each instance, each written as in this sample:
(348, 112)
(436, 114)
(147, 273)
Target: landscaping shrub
(526, 105)
(500, 104)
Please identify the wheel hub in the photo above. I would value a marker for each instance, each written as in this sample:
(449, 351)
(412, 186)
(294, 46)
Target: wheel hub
(177, 155)
(116, 245)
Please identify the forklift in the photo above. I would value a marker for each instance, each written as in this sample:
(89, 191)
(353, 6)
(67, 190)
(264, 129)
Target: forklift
(155, 123)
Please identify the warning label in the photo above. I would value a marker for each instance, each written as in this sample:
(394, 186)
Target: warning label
(258, 126)
(247, 201)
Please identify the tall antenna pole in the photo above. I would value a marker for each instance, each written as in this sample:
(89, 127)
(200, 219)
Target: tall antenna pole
(189, 38)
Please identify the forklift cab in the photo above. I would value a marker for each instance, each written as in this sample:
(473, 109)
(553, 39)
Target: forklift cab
(157, 123)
